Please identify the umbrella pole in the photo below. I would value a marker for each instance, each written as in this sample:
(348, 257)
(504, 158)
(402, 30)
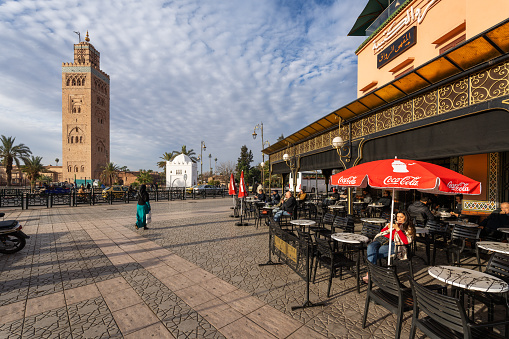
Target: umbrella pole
(390, 230)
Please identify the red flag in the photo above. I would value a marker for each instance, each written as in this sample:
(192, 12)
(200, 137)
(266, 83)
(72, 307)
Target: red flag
(232, 190)
(242, 186)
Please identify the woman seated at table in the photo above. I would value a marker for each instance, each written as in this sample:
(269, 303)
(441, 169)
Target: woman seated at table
(403, 233)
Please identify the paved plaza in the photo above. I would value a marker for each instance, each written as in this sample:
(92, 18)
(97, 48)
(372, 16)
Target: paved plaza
(87, 272)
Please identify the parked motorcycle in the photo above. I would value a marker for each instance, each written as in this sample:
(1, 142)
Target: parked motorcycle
(12, 238)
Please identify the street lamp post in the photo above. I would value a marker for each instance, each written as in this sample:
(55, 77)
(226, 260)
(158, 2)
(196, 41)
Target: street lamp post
(215, 166)
(210, 163)
(260, 127)
(202, 148)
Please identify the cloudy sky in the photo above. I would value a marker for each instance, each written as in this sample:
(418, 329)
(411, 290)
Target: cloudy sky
(181, 71)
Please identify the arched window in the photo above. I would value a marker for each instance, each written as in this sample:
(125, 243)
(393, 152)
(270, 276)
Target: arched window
(69, 168)
(78, 82)
(76, 141)
(75, 168)
(72, 139)
(83, 168)
(68, 82)
(74, 82)
(81, 140)
(83, 82)
(79, 109)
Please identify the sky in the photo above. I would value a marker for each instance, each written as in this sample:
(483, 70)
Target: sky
(181, 72)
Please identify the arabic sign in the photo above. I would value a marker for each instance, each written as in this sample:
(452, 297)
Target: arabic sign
(395, 49)
(412, 15)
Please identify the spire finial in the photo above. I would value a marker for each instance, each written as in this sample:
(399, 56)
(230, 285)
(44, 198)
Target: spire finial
(87, 39)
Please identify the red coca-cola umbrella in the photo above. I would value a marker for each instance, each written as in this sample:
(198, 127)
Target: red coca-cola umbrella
(403, 174)
(242, 186)
(242, 193)
(232, 190)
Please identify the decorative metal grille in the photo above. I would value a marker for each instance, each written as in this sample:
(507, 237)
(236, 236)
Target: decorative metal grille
(453, 96)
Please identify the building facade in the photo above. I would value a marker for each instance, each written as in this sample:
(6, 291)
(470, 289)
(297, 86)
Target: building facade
(181, 172)
(85, 115)
(433, 85)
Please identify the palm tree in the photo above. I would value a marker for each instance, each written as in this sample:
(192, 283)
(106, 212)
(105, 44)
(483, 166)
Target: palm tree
(10, 153)
(166, 157)
(190, 153)
(56, 161)
(33, 168)
(145, 177)
(109, 173)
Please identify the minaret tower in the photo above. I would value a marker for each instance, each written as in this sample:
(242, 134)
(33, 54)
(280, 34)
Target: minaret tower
(85, 115)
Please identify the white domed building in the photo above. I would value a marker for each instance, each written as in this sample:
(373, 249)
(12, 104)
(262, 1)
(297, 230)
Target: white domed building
(181, 172)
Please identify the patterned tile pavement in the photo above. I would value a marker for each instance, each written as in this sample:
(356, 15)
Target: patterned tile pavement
(87, 272)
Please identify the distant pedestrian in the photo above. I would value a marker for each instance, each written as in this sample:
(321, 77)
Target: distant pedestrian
(143, 208)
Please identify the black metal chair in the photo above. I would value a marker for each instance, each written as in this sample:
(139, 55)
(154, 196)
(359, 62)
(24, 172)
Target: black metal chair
(322, 230)
(458, 244)
(446, 317)
(333, 261)
(385, 289)
(498, 266)
(346, 224)
(437, 230)
(260, 215)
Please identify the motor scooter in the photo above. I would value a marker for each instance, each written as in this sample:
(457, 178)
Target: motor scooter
(12, 238)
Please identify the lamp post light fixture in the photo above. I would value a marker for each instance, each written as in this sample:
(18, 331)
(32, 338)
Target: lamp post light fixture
(292, 163)
(202, 148)
(210, 163)
(264, 143)
(343, 148)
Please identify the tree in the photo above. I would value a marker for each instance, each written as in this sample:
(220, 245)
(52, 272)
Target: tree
(56, 161)
(166, 157)
(109, 173)
(33, 168)
(145, 177)
(10, 153)
(226, 168)
(244, 164)
(190, 153)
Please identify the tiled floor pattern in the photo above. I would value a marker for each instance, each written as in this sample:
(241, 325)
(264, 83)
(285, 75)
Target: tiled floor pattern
(87, 273)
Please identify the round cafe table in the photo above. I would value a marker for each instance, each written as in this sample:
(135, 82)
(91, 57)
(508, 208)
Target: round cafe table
(375, 220)
(494, 246)
(468, 279)
(463, 223)
(350, 238)
(303, 223)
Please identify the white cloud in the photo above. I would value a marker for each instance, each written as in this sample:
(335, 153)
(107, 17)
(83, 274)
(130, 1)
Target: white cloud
(181, 71)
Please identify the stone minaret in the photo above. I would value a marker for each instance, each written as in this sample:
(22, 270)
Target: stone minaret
(85, 115)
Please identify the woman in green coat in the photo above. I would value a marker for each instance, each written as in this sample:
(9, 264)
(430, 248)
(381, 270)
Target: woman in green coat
(142, 208)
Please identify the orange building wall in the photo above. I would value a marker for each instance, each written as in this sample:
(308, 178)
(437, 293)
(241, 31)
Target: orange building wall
(442, 17)
(476, 167)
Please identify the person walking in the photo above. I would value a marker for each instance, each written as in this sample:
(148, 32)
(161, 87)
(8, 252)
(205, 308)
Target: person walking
(142, 208)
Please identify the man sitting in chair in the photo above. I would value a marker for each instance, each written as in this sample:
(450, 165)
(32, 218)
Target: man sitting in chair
(287, 207)
(495, 221)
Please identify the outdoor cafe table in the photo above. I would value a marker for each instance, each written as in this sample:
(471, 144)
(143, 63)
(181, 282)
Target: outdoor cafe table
(494, 246)
(504, 230)
(378, 208)
(350, 238)
(468, 279)
(463, 223)
(381, 221)
(269, 209)
(303, 223)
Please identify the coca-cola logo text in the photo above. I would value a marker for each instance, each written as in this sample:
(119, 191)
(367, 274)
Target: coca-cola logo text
(459, 187)
(405, 181)
(347, 181)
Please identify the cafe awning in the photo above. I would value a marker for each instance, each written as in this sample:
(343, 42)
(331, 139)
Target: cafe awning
(480, 49)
